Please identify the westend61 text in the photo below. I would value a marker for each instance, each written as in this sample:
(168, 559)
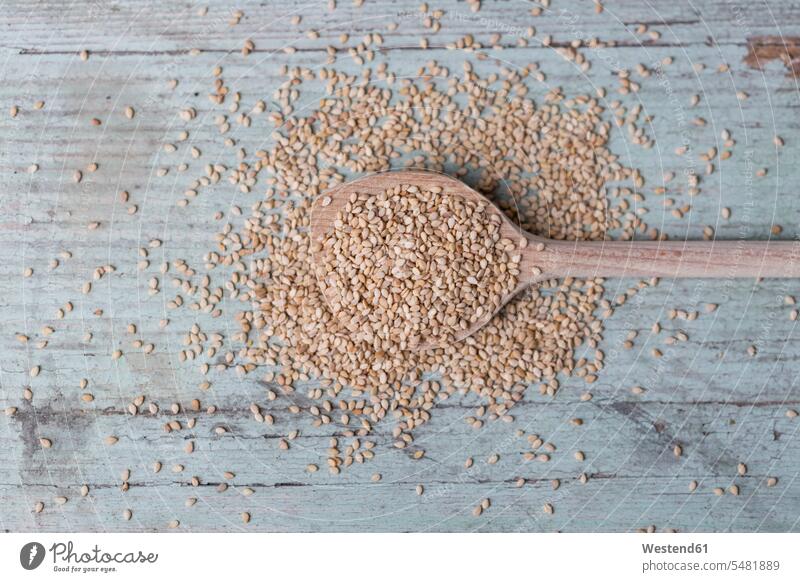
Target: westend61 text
(675, 549)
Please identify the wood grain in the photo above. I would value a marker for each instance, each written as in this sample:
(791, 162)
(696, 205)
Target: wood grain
(670, 259)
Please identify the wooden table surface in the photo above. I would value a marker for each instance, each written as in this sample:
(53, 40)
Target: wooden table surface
(724, 405)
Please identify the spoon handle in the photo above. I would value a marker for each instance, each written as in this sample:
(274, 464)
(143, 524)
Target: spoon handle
(723, 259)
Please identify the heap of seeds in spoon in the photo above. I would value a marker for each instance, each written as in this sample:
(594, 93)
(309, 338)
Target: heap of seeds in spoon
(411, 266)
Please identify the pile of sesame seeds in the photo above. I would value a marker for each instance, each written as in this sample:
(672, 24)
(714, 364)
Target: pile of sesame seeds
(555, 168)
(414, 265)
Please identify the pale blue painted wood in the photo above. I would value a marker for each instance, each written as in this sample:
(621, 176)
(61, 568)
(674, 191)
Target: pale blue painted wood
(721, 405)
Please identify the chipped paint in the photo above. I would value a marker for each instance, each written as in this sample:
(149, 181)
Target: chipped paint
(762, 49)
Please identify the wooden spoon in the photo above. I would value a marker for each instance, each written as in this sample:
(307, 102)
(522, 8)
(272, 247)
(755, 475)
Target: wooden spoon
(544, 259)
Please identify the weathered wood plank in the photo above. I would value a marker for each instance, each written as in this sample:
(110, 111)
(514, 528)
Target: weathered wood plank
(151, 28)
(626, 443)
